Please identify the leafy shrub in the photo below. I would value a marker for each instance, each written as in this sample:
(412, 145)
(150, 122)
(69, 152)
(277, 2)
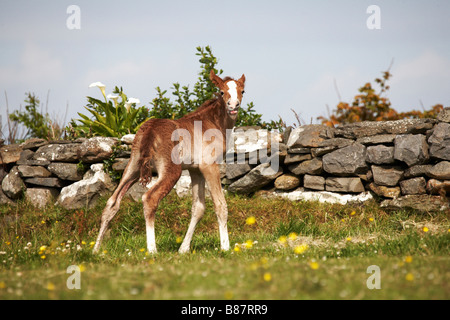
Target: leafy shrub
(37, 123)
(370, 105)
(111, 118)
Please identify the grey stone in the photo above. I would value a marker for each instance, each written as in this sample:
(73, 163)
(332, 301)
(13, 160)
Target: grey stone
(46, 182)
(313, 167)
(438, 187)
(33, 143)
(440, 171)
(383, 191)
(378, 139)
(120, 164)
(287, 182)
(440, 141)
(411, 149)
(380, 154)
(66, 171)
(314, 182)
(33, 171)
(422, 202)
(13, 185)
(41, 197)
(86, 192)
(371, 128)
(257, 178)
(237, 170)
(386, 176)
(418, 170)
(337, 184)
(96, 149)
(444, 115)
(296, 157)
(347, 161)
(414, 186)
(10, 153)
(309, 136)
(58, 152)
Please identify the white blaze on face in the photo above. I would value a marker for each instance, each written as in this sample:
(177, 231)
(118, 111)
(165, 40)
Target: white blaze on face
(232, 90)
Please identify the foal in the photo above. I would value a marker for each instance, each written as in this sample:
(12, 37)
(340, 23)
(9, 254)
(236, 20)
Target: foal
(155, 146)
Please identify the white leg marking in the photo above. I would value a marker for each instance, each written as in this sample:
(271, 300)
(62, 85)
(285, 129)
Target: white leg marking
(151, 243)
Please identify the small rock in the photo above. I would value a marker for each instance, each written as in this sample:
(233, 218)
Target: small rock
(314, 182)
(287, 182)
(414, 186)
(353, 185)
(386, 176)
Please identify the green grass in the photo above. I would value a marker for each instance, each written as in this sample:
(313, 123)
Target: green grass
(299, 250)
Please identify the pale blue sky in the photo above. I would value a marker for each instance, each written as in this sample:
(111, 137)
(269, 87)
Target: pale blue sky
(290, 51)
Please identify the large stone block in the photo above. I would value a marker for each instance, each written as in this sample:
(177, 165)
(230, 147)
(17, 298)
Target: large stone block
(386, 176)
(380, 154)
(257, 178)
(411, 149)
(350, 160)
(309, 136)
(352, 185)
(440, 141)
(371, 128)
(96, 149)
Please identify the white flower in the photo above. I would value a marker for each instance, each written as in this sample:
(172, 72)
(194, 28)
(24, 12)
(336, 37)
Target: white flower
(130, 102)
(114, 98)
(100, 85)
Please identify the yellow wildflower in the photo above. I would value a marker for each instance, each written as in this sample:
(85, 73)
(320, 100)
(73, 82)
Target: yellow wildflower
(237, 249)
(425, 229)
(371, 219)
(267, 277)
(314, 265)
(250, 220)
(353, 213)
(43, 257)
(408, 259)
(301, 248)
(282, 240)
(409, 277)
(50, 286)
(349, 239)
(179, 239)
(248, 244)
(292, 236)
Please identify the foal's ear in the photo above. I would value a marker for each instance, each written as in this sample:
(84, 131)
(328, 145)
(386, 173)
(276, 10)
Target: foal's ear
(242, 79)
(215, 79)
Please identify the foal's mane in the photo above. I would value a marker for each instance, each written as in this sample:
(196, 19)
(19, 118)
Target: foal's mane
(207, 107)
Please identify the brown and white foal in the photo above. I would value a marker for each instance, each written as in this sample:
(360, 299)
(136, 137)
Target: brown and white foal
(165, 146)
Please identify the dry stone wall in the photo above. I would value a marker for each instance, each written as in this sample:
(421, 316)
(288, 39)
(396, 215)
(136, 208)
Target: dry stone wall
(404, 163)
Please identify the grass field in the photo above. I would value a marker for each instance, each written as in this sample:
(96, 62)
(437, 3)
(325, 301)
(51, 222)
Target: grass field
(280, 250)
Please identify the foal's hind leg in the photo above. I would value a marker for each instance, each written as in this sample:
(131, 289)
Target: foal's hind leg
(150, 199)
(130, 176)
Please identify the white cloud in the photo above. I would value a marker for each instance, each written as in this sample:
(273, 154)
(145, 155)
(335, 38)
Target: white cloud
(36, 65)
(424, 79)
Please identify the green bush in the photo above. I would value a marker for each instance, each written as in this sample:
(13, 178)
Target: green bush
(111, 118)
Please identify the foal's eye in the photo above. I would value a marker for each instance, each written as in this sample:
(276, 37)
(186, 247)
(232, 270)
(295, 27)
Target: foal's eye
(222, 93)
(242, 92)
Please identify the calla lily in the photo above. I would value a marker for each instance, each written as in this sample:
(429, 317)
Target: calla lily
(100, 85)
(114, 98)
(130, 102)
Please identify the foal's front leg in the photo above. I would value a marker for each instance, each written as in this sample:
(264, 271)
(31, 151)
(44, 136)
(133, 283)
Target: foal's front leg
(212, 175)
(198, 208)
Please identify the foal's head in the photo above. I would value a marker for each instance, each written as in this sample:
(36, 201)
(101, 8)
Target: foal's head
(231, 91)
